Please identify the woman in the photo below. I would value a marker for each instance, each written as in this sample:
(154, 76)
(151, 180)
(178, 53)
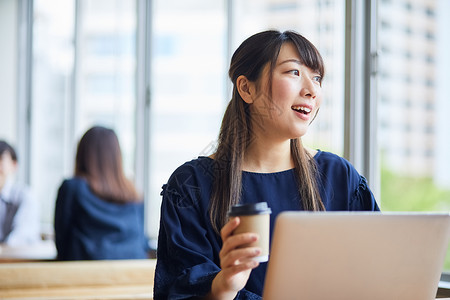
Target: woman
(19, 209)
(260, 157)
(99, 214)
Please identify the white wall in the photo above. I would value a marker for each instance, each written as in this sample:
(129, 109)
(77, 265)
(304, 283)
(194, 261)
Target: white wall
(8, 70)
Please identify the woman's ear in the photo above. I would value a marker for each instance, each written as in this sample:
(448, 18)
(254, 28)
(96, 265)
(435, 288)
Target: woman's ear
(246, 89)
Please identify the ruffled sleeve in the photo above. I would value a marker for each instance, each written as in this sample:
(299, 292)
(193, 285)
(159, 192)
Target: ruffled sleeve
(363, 198)
(188, 248)
(185, 258)
(342, 187)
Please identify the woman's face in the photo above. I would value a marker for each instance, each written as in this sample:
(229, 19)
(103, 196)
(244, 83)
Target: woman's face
(296, 97)
(7, 167)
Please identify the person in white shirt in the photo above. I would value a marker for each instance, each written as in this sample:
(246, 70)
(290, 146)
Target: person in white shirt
(19, 210)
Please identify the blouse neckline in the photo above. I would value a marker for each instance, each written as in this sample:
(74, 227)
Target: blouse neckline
(270, 173)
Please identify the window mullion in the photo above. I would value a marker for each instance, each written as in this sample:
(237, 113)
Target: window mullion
(360, 135)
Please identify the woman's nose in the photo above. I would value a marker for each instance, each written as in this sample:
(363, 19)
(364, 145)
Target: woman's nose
(309, 88)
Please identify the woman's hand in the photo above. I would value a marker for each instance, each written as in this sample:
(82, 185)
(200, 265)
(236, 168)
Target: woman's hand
(236, 262)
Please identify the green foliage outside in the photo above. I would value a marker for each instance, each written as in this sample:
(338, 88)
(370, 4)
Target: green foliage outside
(402, 193)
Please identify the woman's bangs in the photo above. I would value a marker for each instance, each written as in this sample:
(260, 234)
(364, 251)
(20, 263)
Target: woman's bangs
(309, 54)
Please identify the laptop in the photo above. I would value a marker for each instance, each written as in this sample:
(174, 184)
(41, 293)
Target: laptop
(356, 255)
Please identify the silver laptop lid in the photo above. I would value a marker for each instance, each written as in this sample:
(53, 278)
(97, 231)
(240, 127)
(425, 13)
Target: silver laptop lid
(356, 255)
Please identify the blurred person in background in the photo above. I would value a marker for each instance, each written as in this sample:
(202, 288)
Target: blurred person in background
(19, 210)
(98, 213)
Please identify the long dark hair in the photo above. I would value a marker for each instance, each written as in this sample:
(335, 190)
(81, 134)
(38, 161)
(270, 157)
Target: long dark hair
(99, 161)
(236, 130)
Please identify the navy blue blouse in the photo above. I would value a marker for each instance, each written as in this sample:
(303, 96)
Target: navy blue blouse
(89, 228)
(188, 247)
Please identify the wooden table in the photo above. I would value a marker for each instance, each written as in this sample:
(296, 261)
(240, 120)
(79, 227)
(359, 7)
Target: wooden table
(107, 279)
(87, 280)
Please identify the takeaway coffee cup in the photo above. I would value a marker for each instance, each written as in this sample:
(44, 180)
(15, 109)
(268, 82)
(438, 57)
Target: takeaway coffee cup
(255, 217)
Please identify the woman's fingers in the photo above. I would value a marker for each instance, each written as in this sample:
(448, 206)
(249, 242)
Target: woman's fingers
(236, 248)
(240, 256)
(238, 241)
(227, 230)
(243, 266)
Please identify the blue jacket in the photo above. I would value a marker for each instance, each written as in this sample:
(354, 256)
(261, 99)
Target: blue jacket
(89, 228)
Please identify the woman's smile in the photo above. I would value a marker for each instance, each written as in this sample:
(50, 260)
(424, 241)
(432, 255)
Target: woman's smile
(303, 111)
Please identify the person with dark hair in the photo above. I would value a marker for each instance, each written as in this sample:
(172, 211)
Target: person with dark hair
(277, 82)
(98, 213)
(19, 210)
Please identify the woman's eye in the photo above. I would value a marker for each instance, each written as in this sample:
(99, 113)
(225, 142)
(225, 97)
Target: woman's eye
(317, 78)
(295, 72)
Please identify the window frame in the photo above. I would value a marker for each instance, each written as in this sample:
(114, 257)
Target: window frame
(360, 113)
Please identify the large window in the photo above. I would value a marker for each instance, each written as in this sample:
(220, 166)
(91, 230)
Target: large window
(8, 70)
(105, 71)
(188, 88)
(83, 74)
(413, 100)
(51, 110)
